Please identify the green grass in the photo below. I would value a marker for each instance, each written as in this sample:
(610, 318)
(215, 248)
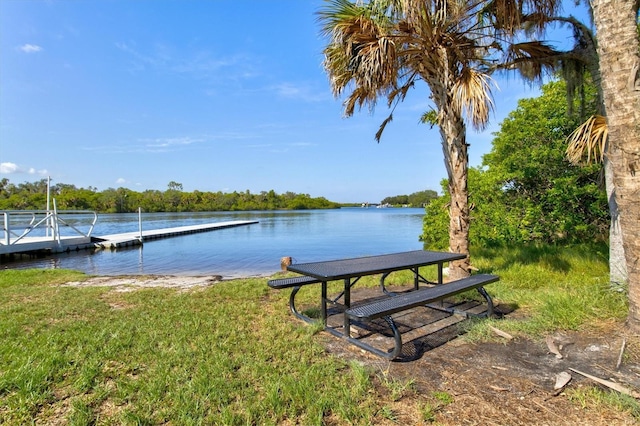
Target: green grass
(232, 354)
(223, 355)
(552, 288)
(597, 398)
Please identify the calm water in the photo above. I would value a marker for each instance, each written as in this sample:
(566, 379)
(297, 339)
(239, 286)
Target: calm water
(252, 250)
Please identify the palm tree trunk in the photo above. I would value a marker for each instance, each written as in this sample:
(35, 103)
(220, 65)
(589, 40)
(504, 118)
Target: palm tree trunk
(588, 53)
(456, 158)
(617, 262)
(618, 48)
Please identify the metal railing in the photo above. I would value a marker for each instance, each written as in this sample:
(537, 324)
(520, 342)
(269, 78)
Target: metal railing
(45, 224)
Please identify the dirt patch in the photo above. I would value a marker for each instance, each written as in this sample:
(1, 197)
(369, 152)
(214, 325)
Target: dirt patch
(509, 381)
(512, 382)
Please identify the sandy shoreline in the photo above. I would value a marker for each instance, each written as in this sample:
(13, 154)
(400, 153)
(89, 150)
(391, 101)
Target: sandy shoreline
(124, 283)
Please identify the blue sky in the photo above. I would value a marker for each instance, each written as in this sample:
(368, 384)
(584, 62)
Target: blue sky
(215, 95)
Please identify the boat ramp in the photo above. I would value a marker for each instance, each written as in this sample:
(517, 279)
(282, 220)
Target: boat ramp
(44, 232)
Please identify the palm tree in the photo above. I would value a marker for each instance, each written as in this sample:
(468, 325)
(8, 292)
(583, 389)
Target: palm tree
(614, 64)
(383, 48)
(619, 58)
(590, 139)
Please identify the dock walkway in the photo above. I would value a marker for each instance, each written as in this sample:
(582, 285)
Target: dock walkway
(133, 238)
(30, 245)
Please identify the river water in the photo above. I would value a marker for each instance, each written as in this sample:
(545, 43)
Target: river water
(252, 250)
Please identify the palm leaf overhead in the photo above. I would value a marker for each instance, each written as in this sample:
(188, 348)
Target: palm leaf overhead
(531, 58)
(382, 48)
(510, 16)
(470, 96)
(590, 140)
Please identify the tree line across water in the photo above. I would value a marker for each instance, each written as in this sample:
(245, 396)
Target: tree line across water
(33, 196)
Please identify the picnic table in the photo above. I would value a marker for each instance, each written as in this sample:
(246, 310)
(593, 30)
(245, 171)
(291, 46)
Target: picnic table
(353, 269)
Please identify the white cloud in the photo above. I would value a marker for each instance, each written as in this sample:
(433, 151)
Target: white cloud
(30, 48)
(168, 142)
(120, 181)
(8, 168)
(12, 168)
(301, 92)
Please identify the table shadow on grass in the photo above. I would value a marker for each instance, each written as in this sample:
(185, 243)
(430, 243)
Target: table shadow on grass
(423, 329)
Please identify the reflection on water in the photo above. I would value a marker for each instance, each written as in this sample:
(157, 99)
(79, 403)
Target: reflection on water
(250, 250)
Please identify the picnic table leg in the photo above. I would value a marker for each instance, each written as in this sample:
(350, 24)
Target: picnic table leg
(390, 355)
(292, 305)
(347, 304)
(440, 282)
(323, 304)
(487, 297)
(384, 289)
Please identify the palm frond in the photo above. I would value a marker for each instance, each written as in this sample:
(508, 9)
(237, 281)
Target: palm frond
(504, 13)
(511, 15)
(336, 15)
(382, 127)
(336, 64)
(360, 51)
(472, 95)
(588, 140)
(399, 93)
(531, 58)
(359, 96)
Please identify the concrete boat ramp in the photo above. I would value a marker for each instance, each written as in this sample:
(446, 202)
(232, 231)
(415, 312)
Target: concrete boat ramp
(62, 244)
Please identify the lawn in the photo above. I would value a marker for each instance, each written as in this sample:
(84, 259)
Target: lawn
(231, 353)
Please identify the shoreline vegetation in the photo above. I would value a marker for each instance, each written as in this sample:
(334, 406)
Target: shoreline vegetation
(33, 196)
(195, 350)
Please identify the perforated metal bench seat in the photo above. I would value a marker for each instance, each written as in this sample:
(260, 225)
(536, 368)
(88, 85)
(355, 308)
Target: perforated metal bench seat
(412, 299)
(292, 282)
(384, 308)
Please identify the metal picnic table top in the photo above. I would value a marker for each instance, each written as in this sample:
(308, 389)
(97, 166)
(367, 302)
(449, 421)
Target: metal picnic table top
(370, 265)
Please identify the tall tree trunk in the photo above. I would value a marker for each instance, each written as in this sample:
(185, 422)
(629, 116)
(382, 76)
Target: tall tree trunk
(456, 158)
(618, 48)
(617, 262)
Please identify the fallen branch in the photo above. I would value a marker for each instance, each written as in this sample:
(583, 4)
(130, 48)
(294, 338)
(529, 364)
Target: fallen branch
(611, 385)
(499, 388)
(501, 333)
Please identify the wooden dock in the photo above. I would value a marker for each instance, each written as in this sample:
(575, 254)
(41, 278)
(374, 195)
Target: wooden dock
(34, 245)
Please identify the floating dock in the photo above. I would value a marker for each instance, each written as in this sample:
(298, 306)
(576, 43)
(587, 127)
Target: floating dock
(64, 244)
(133, 238)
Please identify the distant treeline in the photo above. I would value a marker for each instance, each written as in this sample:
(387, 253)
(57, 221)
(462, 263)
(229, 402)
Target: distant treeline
(33, 196)
(417, 199)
